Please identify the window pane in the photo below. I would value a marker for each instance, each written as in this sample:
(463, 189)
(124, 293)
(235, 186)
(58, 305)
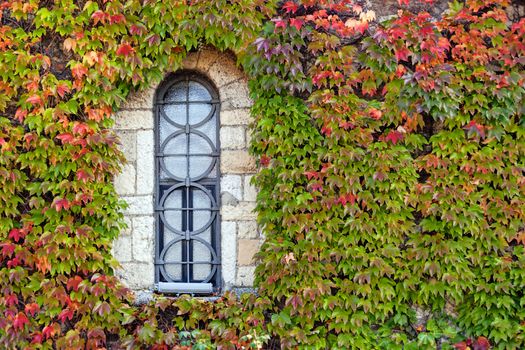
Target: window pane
(177, 93)
(198, 112)
(198, 92)
(176, 113)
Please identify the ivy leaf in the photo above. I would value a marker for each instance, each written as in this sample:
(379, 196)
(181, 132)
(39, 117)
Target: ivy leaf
(125, 49)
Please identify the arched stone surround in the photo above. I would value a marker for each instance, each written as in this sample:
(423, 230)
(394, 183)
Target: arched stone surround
(134, 124)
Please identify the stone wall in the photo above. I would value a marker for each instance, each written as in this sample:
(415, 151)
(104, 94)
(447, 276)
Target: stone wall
(240, 238)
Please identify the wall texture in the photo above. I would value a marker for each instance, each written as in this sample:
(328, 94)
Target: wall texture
(240, 238)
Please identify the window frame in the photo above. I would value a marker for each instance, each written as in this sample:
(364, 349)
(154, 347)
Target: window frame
(215, 284)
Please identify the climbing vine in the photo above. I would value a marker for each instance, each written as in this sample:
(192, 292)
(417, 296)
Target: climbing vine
(391, 182)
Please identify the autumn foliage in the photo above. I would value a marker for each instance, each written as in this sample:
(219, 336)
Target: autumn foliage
(392, 163)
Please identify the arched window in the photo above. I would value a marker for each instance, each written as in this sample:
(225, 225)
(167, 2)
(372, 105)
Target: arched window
(187, 245)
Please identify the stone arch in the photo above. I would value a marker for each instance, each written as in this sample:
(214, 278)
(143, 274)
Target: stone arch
(134, 124)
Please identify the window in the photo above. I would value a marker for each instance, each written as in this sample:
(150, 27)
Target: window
(187, 245)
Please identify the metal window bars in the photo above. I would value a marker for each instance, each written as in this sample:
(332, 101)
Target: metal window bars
(187, 245)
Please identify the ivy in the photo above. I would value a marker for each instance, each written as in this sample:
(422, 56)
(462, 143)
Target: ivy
(391, 187)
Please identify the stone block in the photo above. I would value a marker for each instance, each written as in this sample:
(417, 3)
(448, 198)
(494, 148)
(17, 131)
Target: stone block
(128, 144)
(190, 61)
(127, 231)
(125, 181)
(250, 191)
(248, 137)
(232, 137)
(122, 249)
(137, 275)
(139, 205)
(224, 70)
(207, 57)
(240, 116)
(134, 119)
(145, 162)
(232, 184)
(236, 95)
(143, 238)
(244, 211)
(245, 276)
(228, 252)
(140, 99)
(248, 230)
(246, 250)
(237, 162)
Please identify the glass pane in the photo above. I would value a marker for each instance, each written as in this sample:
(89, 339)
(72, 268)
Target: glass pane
(174, 253)
(166, 129)
(171, 216)
(176, 145)
(199, 144)
(176, 113)
(201, 253)
(201, 217)
(168, 236)
(198, 92)
(176, 93)
(210, 129)
(176, 166)
(199, 165)
(198, 112)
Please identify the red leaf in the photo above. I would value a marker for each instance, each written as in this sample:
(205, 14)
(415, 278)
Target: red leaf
(35, 100)
(37, 338)
(375, 114)
(79, 71)
(290, 7)
(11, 300)
(136, 30)
(297, 23)
(403, 2)
(82, 175)
(8, 249)
(49, 331)
(125, 50)
(61, 204)
(20, 115)
(32, 308)
(16, 234)
(20, 320)
(402, 54)
(66, 138)
(98, 16)
(115, 19)
(394, 136)
(279, 23)
(73, 283)
(62, 89)
(66, 314)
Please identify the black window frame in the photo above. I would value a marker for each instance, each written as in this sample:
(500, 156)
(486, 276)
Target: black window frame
(211, 184)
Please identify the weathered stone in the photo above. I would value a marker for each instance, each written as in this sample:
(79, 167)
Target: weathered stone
(241, 212)
(240, 116)
(246, 250)
(236, 95)
(247, 230)
(207, 56)
(137, 275)
(122, 249)
(125, 181)
(228, 251)
(190, 61)
(385, 8)
(224, 70)
(145, 162)
(143, 235)
(237, 162)
(233, 185)
(140, 99)
(232, 137)
(128, 143)
(250, 191)
(245, 276)
(248, 137)
(139, 205)
(135, 119)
